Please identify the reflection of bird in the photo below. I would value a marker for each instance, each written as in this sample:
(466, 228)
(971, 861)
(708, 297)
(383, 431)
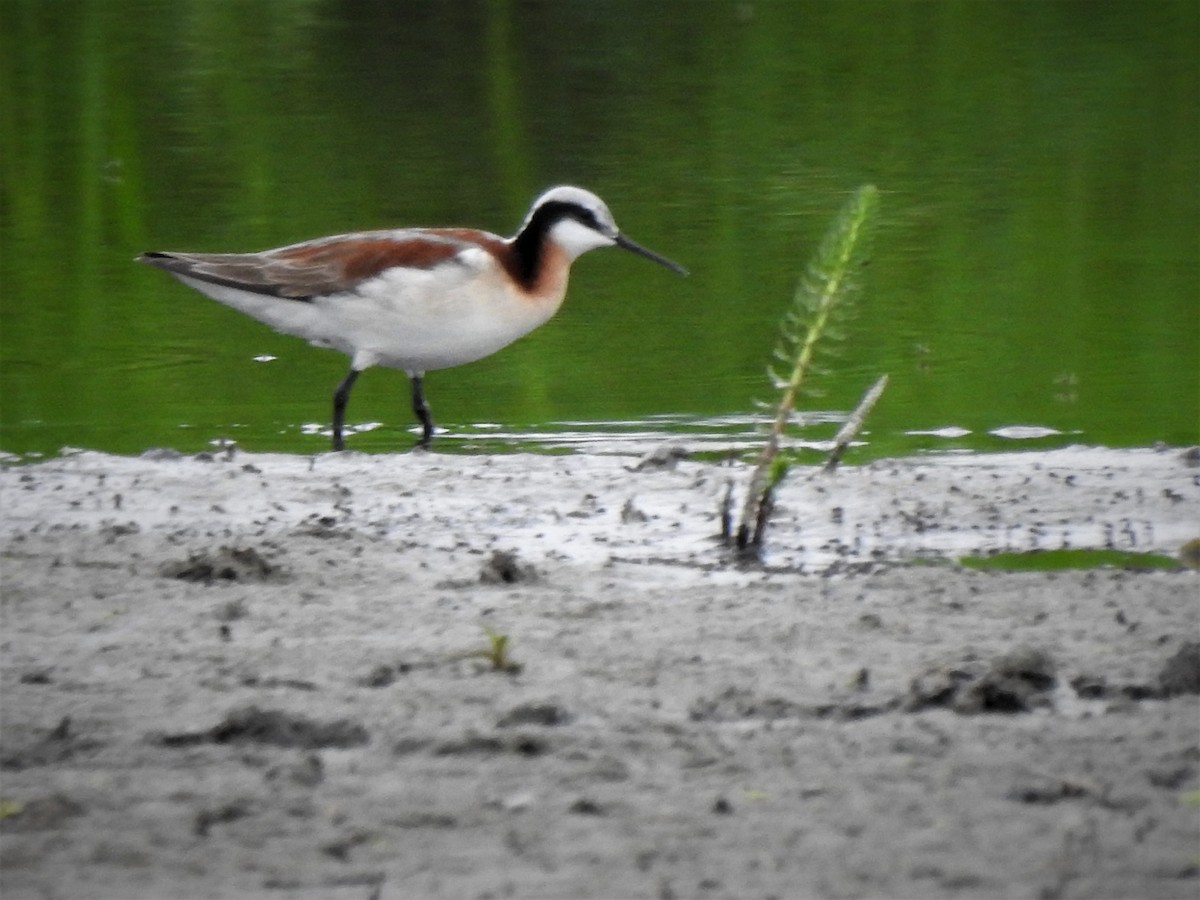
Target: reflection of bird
(414, 298)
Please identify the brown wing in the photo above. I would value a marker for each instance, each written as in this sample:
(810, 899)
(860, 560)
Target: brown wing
(323, 266)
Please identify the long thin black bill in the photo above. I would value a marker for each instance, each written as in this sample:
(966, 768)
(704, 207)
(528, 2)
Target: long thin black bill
(637, 248)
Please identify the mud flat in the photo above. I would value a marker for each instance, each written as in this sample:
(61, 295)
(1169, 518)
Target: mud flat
(254, 675)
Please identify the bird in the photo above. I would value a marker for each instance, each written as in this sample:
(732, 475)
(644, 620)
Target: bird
(414, 299)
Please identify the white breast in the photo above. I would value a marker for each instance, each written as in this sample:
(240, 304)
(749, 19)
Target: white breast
(411, 319)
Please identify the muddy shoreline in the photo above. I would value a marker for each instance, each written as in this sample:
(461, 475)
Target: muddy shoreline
(261, 675)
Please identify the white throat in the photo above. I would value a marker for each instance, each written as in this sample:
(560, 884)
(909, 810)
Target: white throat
(576, 238)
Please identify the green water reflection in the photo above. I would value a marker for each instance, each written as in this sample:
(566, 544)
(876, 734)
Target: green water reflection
(1035, 262)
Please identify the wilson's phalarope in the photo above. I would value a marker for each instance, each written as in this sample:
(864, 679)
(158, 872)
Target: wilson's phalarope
(414, 299)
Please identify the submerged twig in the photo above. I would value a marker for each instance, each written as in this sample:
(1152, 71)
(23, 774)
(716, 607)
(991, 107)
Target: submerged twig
(727, 512)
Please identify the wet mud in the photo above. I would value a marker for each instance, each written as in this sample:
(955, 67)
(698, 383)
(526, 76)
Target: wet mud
(254, 675)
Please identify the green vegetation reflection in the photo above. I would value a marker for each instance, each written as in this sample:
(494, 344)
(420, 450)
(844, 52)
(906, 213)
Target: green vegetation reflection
(1037, 250)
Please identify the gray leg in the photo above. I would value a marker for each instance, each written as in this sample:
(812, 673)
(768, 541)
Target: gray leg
(340, 396)
(421, 410)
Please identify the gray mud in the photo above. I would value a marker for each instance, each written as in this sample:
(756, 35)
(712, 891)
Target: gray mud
(271, 676)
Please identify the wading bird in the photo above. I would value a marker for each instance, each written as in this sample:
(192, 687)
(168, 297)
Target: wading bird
(414, 299)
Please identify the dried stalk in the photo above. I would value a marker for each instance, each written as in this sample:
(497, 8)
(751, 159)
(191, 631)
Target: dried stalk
(854, 423)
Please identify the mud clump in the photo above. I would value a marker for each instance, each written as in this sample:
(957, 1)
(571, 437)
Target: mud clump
(505, 567)
(384, 674)
(227, 564)
(1181, 674)
(474, 744)
(274, 727)
(547, 714)
(1018, 681)
(222, 815)
(735, 704)
(56, 745)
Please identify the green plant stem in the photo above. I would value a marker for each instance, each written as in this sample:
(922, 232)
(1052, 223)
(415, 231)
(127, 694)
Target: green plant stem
(817, 298)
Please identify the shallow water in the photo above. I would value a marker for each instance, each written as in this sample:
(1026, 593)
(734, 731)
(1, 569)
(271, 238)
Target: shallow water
(1033, 263)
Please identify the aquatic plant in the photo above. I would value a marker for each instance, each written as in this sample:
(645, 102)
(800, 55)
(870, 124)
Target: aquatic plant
(822, 300)
(496, 653)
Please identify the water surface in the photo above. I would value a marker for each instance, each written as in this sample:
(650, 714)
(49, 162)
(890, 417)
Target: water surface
(1034, 264)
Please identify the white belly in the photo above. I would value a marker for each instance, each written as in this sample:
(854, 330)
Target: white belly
(415, 320)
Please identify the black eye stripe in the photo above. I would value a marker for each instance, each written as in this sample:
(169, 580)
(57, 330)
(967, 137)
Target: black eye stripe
(588, 218)
(557, 210)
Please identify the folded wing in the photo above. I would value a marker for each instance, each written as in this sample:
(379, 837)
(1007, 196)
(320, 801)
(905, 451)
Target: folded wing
(325, 266)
